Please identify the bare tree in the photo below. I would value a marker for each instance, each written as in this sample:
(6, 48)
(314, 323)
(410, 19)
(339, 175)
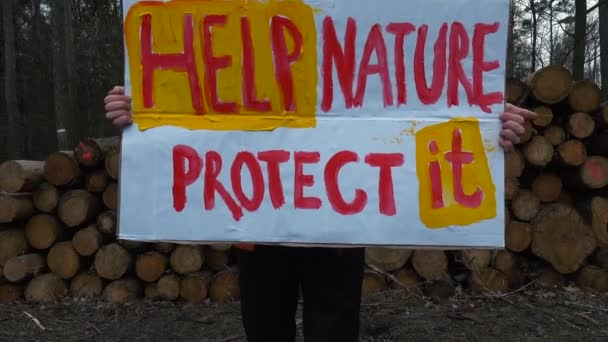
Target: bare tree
(10, 81)
(580, 26)
(603, 14)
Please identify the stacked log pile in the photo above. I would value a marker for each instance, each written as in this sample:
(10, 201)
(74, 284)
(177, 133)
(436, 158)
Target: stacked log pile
(58, 220)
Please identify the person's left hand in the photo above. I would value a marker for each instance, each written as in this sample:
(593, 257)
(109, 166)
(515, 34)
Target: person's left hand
(513, 120)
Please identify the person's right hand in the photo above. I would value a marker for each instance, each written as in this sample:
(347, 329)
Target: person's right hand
(118, 107)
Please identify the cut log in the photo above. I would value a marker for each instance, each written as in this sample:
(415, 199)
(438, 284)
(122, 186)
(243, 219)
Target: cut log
(599, 222)
(10, 293)
(585, 96)
(62, 169)
(122, 291)
(598, 144)
(97, 181)
(511, 188)
(555, 135)
(134, 246)
(150, 266)
(23, 267)
(87, 241)
(92, 152)
(551, 84)
(86, 285)
(514, 164)
(544, 116)
(430, 264)
(438, 290)
(78, 207)
(216, 260)
(539, 151)
(593, 278)
(525, 205)
(187, 259)
(549, 278)
(373, 282)
(565, 198)
(476, 259)
(46, 198)
(63, 260)
(529, 131)
(581, 125)
(489, 280)
(594, 172)
(112, 164)
(515, 90)
(106, 223)
(508, 264)
(14, 208)
(221, 247)
(112, 261)
(195, 288)
(110, 196)
(387, 259)
(164, 247)
(603, 116)
(547, 187)
(168, 287)
(407, 279)
(151, 292)
(572, 152)
(600, 258)
(21, 175)
(518, 236)
(225, 287)
(560, 237)
(46, 288)
(12, 244)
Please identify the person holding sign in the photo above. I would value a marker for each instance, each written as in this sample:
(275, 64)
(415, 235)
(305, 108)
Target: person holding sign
(330, 278)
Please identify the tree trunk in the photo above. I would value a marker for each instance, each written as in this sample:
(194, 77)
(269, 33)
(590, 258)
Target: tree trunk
(78, 207)
(572, 152)
(150, 266)
(87, 241)
(585, 96)
(112, 261)
(10, 293)
(12, 244)
(430, 264)
(14, 143)
(46, 288)
(43, 231)
(551, 84)
(514, 164)
(106, 223)
(15, 208)
(186, 259)
(194, 288)
(525, 205)
(489, 280)
(22, 267)
(554, 135)
(46, 198)
(594, 173)
(603, 14)
(547, 187)
(581, 125)
(97, 181)
(539, 151)
(112, 163)
(387, 259)
(92, 152)
(511, 188)
(63, 260)
(580, 27)
(534, 34)
(122, 291)
(110, 196)
(544, 116)
(599, 223)
(225, 287)
(406, 278)
(373, 282)
(168, 287)
(86, 285)
(64, 74)
(216, 260)
(62, 169)
(518, 236)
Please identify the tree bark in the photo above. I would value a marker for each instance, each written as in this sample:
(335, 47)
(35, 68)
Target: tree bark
(14, 143)
(603, 14)
(46, 288)
(580, 26)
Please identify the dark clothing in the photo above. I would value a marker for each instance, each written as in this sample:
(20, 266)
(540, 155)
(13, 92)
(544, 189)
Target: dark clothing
(330, 279)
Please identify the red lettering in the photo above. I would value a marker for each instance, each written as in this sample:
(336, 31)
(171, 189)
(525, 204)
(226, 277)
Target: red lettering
(385, 161)
(183, 62)
(435, 176)
(400, 30)
(213, 64)
(212, 184)
(344, 59)
(283, 59)
(333, 190)
(181, 178)
(480, 66)
(275, 186)
(430, 95)
(301, 180)
(458, 158)
(250, 100)
(375, 42)
(459, 50)
(257, 180)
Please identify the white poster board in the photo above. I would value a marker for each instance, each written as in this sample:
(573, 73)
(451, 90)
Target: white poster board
(327, 122)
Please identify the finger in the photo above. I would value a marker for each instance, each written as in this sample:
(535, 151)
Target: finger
(509, 116)
(505, 144)
(117, 90)
(510, 136)
(112, 98)
(123, 121)
(521, 111)
(120, 105)
(515, 127)
(117, 113)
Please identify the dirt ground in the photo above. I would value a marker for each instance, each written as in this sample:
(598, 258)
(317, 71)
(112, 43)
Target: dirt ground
(560, 315)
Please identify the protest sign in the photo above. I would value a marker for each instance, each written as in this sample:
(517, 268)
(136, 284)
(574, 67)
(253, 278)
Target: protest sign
(327, 122)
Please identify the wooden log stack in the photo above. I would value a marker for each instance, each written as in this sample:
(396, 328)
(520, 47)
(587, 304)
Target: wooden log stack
(58, 220)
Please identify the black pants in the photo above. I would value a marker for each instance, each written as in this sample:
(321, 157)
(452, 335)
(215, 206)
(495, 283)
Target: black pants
(331, 286)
